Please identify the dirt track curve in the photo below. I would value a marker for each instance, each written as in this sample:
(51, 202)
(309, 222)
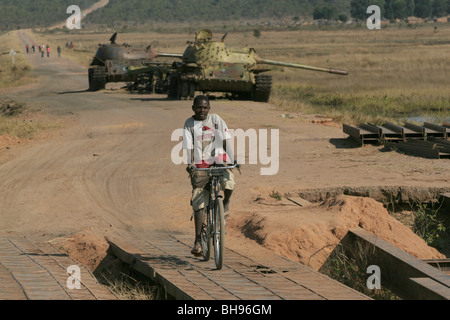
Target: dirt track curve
(110, 172)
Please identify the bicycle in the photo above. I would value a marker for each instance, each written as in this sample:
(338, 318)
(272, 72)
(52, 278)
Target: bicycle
(213, 230)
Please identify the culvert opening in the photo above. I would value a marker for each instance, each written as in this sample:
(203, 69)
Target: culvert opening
(125, 282)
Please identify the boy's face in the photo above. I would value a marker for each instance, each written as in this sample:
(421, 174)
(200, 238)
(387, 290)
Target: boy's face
(201, 110)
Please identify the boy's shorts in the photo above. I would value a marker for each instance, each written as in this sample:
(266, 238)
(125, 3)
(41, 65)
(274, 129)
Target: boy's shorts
(200, 187)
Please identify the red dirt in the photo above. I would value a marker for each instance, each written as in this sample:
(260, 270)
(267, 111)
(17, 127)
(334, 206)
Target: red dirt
(310, 234)
(87, 249)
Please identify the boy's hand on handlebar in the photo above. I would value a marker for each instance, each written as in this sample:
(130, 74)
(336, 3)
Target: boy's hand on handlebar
(190, 168)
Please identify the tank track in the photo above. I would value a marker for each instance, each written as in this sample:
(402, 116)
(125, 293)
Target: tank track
(97, 78)
(180, 89)
(263, 85)
(172, 90)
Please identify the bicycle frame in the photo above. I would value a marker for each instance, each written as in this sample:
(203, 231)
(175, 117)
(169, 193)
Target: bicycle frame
(214, 230)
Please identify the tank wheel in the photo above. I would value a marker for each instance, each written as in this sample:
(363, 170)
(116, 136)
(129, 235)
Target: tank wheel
(263, 85)
(192, 90)
(90, 73)
(172, 87)
(182, 89)
(97, 78)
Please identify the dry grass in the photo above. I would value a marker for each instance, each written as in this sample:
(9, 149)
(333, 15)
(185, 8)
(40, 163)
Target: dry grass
(21, 122)
(352, 272)
(21, 73)
(394, 74)
(128, 288)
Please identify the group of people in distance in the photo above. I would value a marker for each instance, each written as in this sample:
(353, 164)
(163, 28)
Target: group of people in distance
(43, 49)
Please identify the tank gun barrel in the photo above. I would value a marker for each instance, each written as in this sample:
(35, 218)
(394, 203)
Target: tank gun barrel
(134, 70)
(300, 66)
(147, 67)
(169, 55)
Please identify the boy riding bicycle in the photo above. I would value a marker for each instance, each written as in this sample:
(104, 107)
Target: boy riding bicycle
(204, 139)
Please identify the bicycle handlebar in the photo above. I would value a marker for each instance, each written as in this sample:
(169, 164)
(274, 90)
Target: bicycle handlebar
(235, 165)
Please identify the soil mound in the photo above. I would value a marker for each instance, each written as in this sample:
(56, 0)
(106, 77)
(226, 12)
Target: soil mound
(310, 234)
(87, 249)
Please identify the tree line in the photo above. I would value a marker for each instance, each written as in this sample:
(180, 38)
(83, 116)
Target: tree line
(42, 13)
(205, 10)
(401, 9)
(36, 13)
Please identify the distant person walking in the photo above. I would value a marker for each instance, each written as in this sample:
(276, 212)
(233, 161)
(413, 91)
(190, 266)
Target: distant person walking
(28, 48)
(59, 52)
(33, 48)
(48, 51)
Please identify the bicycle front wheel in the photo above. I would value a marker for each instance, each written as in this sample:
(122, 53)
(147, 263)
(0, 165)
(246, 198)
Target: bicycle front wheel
(219, 233)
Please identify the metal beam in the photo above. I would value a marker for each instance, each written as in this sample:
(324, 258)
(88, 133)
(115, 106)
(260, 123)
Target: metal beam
(398, 268)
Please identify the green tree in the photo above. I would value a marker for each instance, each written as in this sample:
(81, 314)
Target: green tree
(388, 10)
(358, 8)
(325, 12)
(317, 13)
(423, 8)
(439, 8)
(328, 12)
(400, 9)
(343, 17)
(410, 5)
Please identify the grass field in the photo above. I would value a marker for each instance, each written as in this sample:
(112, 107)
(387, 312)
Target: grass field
(397, 73)
(21, 73)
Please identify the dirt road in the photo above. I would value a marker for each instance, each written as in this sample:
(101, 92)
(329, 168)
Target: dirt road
(110, 172)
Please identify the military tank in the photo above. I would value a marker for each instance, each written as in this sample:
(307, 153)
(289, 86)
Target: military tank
(211, 66)
(112, 62)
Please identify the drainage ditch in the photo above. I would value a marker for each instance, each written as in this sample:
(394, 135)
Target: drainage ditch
(127, 283)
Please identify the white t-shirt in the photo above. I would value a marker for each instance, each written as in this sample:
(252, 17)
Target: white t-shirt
(206, 139)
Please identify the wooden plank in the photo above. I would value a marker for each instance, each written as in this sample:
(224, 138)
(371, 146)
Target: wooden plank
(299, 201)
(167, 260)
(41, 272)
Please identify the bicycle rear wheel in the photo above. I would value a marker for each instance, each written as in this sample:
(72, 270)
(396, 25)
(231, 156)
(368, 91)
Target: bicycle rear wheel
(206, 240)
(219, 233)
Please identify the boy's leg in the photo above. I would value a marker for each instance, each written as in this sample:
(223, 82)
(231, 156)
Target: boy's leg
(228, 184)
(199, 217)
(226, 201)
(199, 202)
